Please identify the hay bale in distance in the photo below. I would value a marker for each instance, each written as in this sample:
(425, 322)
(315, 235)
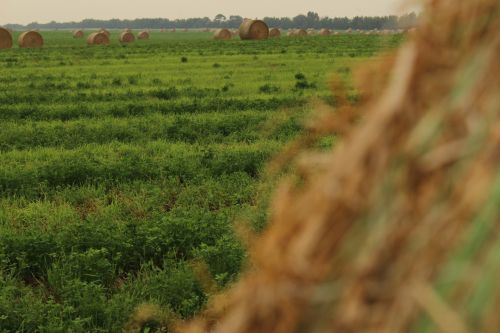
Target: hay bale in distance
(143, 35)
(5, 39)
(98, 38)
(301, 32)
(77, 34)
(222, 34)
(325, 32)
(30, 39)
(274, 33)
(254, 30)
(106, 32)
(290, 33)
(127, 37)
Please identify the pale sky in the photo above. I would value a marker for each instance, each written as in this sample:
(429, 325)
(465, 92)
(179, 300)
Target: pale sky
(43, 11)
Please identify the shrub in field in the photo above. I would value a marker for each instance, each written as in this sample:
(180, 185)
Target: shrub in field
(268, 89)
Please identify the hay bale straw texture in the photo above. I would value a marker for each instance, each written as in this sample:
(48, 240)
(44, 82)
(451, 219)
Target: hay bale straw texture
(5, 39)
(77, 34)
(127, 37)
(30, 39)
(274, 33)
(397, 228)
(222, 34)
(325, 32)
(254, 30)
(143, 35)
(98, 38)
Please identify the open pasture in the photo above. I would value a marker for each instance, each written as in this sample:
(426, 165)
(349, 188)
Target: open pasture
(122, 167)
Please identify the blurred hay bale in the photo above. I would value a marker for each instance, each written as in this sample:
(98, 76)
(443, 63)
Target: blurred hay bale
(325, 32)
(301, 33)
(98, 38)
(143, 35)
(274, 33)
(77, 34)
(397, 229)
(106, 32)
(222, 34)
(5, 39)
(127, 37)
(253, 30)
(30, 39)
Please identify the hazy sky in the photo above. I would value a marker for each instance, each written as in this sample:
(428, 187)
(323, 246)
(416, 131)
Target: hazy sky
(42, 11)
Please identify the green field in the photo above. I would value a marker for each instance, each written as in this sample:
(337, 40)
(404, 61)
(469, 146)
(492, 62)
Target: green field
(123, 166)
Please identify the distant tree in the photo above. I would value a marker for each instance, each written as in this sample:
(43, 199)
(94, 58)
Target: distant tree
(219, 18)
(310, 20)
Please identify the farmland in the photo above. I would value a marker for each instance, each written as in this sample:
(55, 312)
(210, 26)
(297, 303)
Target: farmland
(122, 168)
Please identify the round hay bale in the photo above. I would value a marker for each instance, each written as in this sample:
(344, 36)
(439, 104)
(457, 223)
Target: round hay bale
(127, 37)
(274, 33)
(291, 33)
(222, 34)
(77, 34)
(143, 35)
(30, 39)
(106, 32)
(301, 32)
(98, 38)
(325, 32)
(5, 39)
(254, 30)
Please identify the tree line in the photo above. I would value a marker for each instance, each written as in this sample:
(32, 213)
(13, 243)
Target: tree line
(310, 20)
